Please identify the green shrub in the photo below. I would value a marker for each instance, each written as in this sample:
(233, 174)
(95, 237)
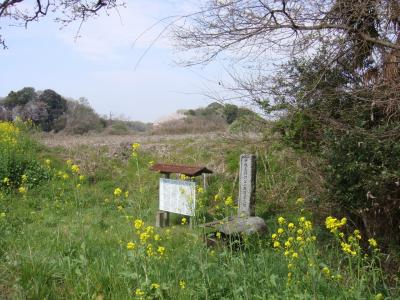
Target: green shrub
(18, 157)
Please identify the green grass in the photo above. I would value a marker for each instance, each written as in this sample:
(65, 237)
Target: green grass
(63, 242)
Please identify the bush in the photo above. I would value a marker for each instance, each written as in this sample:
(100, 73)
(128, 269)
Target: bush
(18, 162)
(363, 177)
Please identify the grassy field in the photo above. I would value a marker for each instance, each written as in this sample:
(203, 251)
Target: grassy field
(79, 225)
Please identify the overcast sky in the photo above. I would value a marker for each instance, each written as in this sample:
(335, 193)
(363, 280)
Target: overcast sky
(100, 64)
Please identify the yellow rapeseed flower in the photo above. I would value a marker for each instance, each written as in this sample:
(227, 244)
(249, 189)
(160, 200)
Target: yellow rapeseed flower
(24, 178)
(154, 286)
(277, 244)
(229, 201)
(135, 146)
(373, 242)
(326, 271)
(182, 284)
(130, 246)
(379, 296)
(138, 223)
(161, 250)
(117, 192)
(139, 292)
(75, 169)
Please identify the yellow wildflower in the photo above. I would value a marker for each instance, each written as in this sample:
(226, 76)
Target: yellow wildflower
(217, 197)
(65, 176)
(373, 242)
(157, 237)
(280, 230)
(161, 250)
(182, 284)
(286, 253)
(135, 146)
(75, 169)
(138, 223)
(281, 220)
(117, 192)
(22, 190)
(379, 297)
(24, 178)
(6, 180)
(143, 237)
(299, 239)
(291, 226)
(48, 162)
(139, 292)
(300, 201)
(277, 244)
(126, 194)
(288, 244)
(218, 235)
(229, 201)
(274, 236)
(295, 255)
(130, 246)
(200, 190)
(357, 234)
(81, 177)
(299, 232)
(149, 250)
(326, 271)
(183, 221)
(154, 286)
(119, 207)
(78, 185)
(69, 162)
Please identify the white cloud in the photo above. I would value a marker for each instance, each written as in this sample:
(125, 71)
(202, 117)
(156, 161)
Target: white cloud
(107, 36)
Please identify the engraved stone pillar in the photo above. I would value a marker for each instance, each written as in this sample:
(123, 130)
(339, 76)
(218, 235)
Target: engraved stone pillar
(247, 185)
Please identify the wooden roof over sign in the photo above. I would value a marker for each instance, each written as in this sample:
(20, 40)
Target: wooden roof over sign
(180, 169)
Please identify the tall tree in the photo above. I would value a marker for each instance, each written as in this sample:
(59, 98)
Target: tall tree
(22, 12)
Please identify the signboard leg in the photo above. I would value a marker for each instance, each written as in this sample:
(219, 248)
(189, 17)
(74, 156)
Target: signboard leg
(162, 218)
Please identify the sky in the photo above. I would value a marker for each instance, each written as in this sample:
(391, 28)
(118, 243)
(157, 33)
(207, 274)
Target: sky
(104, 63)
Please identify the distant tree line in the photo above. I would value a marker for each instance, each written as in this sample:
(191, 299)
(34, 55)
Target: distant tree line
(50, 111)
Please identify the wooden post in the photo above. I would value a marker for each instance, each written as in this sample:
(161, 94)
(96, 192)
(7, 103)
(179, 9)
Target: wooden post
(204, 181)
